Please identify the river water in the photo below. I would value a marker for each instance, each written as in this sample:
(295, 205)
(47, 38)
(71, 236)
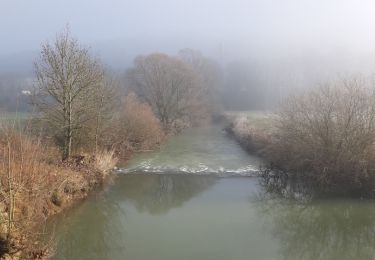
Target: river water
(196, 199)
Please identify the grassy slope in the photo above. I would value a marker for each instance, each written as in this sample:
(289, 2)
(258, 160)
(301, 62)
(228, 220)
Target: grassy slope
(259, 120)
(253, 130)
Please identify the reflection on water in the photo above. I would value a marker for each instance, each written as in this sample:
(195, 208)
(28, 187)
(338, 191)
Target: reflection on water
(98, 229)
(92, 231)
(186, 217)
(320, 229)
(167, 217)
(157, 194)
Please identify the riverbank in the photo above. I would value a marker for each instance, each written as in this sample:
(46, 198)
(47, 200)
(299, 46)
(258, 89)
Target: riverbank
(36, 184)
(323, 139)
(252, 130)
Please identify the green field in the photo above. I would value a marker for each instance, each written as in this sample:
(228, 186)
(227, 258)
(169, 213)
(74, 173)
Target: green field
(261, 120)
(14, 117)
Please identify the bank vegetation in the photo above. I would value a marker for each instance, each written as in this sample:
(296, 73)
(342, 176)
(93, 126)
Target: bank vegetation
(324, 137)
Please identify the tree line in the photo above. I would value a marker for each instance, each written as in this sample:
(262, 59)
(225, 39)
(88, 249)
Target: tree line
(82, 106)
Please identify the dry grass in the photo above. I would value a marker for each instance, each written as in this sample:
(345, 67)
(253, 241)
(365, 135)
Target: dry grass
(34, 185)
(105, 160)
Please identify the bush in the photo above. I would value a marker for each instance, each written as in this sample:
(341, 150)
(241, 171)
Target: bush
(328, 135)
(137, 127)
(105, 160)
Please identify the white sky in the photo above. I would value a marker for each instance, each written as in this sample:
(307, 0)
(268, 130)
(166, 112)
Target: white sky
(271, 25)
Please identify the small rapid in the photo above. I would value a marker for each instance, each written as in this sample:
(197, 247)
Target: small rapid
(201, 151)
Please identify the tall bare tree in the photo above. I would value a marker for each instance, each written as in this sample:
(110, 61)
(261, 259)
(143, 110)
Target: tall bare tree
(167, 84)
(67, 77)
(209, 75)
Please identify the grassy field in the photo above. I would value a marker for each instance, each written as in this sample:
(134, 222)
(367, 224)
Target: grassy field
(260, 120)
(16, 118)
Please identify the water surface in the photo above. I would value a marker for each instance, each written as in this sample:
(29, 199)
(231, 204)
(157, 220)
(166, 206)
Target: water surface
(202, 212)
(206, 150)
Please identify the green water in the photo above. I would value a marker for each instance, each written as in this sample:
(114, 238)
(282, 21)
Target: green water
(185, 213)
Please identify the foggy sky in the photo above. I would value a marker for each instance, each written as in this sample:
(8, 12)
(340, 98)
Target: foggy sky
(277, 46)
(225, 27)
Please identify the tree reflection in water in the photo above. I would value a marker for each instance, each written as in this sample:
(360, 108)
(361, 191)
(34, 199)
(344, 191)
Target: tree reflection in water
(158, 193)
(328, 228)
(97, 229)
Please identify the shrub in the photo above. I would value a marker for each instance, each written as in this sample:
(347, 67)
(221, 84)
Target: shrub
(137, 127)
(249, 133)
(328, 135)
(105, 160)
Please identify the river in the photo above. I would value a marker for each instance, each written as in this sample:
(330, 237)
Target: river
(195, 198)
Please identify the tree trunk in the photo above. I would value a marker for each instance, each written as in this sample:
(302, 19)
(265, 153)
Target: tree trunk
(10, 193)
(70, 127)
(68, 132)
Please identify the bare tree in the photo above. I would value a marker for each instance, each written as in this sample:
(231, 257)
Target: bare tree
(209, 76)
(167, 84)
(328, 134)
(67, 77)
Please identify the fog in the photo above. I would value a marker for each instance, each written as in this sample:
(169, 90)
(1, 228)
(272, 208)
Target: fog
(279, 45)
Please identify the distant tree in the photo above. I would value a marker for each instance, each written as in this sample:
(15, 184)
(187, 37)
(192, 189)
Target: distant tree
(209, 75)
(244, 88)
(169, 85)
(67, 83)
(106, 99)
